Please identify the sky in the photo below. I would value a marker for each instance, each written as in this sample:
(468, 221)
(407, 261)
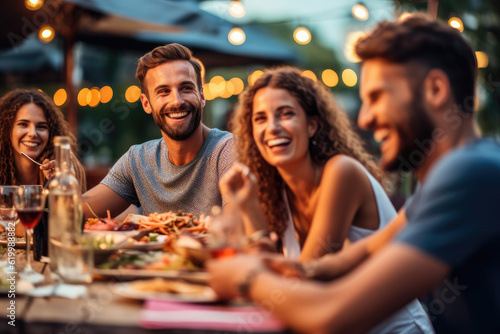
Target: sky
(329, 21)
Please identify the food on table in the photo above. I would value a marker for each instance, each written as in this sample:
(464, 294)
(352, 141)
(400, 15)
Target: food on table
(149, 261)
(168, 223)
(168, 286)
(101, 224)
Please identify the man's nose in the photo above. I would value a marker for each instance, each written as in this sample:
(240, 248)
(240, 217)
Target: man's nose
(176, 97)
(365, 118)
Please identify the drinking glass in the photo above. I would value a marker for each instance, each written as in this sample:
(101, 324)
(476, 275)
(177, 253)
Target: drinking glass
(30, 202)
(226, 233)
(8, 214)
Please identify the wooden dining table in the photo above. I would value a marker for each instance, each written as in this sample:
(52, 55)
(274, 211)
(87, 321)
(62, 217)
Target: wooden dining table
(101, 311)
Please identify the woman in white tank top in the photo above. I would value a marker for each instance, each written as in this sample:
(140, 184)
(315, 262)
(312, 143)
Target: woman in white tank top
(315, 183)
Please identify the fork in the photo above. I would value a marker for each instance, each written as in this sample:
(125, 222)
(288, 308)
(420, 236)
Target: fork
(36, 162)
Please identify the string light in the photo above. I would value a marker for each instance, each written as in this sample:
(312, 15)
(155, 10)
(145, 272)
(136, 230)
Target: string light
(33, 4)
(310, 75)
(236, 36)
(482, 59)
(60, 97)
(302, 35)
(46, 34)
(349, 78)
(360, 12)
(330, 78)
(132, 94)
(236, 9)
(456, 23)
(106, 94)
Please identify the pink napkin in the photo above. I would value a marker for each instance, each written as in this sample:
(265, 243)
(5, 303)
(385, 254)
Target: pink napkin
(246, 319)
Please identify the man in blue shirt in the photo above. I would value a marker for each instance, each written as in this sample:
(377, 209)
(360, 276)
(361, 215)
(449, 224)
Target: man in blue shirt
(417, 87)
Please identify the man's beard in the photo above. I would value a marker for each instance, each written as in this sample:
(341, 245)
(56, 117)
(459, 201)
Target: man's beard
(416, 139)
(181, 132)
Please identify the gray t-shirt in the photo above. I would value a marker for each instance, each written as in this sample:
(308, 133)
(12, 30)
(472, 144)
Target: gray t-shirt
(145, 177)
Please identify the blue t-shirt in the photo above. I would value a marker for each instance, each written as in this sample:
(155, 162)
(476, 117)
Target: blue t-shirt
(455, 217)
(146, 177)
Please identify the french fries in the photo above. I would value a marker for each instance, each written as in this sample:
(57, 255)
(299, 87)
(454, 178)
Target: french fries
(173, 223)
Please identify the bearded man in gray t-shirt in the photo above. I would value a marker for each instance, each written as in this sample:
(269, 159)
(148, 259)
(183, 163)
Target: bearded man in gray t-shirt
(180, 171)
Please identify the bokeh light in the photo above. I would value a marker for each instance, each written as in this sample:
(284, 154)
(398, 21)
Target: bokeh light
(33, 4)
(238, 85)
(456, 23)
(302, 35)
(84, 97)
(132, 94)
(360, 12)
(310, 75)
(350, 45)
(236, 36)
(482, 59)
(46, 34)
(236, 9)
(95, 97)
(106, 94)
(349, 77)
(60, 97)
(330, 78)
(254, 76)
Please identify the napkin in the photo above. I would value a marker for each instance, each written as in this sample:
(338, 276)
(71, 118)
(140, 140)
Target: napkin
(247, 319)
(70, 291)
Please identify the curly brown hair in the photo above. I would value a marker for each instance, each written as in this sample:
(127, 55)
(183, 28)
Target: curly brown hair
(10, 103)
(335, 135)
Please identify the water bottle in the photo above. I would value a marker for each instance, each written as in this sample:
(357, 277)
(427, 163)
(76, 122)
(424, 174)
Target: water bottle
(65, 204)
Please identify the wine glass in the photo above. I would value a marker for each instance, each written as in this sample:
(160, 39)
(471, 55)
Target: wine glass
(8, 214)
(30, 202)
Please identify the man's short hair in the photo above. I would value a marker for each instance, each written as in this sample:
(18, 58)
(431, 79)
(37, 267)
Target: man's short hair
(167, 53)
(430, 44)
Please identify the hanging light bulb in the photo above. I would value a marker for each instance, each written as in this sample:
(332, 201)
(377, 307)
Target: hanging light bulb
(360, 12)
(46, 34)
(236, 9)
(456, 23)
(302, 35)
(33, 4)
(236, 36)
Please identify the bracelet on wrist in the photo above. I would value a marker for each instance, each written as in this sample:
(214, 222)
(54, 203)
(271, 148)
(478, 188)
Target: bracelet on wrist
(246, 284)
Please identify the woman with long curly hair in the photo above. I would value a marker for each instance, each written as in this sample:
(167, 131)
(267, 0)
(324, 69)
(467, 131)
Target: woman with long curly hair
(315, 183)
(30, 121)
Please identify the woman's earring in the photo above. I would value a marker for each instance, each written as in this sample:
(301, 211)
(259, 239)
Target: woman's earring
(314, 142)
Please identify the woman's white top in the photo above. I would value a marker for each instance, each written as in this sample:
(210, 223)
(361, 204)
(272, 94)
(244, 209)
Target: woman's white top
(411, 318)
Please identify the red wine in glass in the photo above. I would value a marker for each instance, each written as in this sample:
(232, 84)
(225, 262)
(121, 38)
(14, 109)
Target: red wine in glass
(29, 217)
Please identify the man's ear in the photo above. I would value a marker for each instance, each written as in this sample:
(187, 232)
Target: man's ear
(437, 90)
(145, 104)
(202, 97)
(312, 126)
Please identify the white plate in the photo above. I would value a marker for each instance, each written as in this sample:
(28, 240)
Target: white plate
(191, 276)
(127, 290)
(148, 246)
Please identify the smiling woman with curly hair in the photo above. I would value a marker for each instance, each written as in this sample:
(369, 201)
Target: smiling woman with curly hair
(30, 121)
(315, 183)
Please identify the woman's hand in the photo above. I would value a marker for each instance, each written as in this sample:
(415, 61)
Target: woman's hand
(48, 168)
(239, 185)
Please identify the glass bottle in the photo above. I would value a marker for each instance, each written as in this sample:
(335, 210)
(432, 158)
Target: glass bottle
(65, 203)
